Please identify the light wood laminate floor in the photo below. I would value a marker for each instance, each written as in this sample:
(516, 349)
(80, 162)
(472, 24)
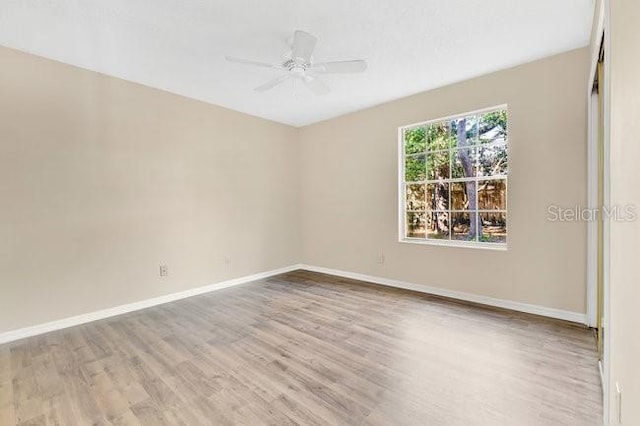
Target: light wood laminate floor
(308, 349)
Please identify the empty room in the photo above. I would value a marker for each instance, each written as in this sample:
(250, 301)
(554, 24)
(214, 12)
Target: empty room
(288, 212)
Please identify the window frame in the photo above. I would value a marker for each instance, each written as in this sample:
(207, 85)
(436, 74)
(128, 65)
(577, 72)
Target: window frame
(402, 197)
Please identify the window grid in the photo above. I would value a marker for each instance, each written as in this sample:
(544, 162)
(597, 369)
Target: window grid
(447, 211)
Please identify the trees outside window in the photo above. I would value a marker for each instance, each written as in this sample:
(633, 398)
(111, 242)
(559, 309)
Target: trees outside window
(454, 179)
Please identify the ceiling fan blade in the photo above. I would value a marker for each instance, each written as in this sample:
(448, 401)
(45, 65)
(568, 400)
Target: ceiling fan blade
(340, 67)
(303, 45)
(251, 62)
(271, 83)
(316, 85)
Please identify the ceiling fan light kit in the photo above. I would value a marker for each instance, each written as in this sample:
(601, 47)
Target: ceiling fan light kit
(299, 66)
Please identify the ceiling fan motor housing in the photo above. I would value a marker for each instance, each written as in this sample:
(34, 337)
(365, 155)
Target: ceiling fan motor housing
(296, 66)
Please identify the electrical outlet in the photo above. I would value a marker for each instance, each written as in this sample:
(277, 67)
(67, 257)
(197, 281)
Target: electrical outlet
(227, 262)
(164, 270)
(380, 258)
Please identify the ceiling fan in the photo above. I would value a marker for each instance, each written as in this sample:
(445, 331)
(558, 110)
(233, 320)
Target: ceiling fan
(299, 66)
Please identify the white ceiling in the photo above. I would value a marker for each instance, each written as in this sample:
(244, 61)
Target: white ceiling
(179, 45)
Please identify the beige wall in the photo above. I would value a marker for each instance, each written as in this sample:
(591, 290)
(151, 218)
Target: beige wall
(103, 180)
(350, 190)
(624, 278)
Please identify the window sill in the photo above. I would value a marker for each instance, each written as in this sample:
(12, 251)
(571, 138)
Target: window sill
(463, 244)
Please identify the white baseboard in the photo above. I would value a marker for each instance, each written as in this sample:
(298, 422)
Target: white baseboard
(21, 333)
(469, 297)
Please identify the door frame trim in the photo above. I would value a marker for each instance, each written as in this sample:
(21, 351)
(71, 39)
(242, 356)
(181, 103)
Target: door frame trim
(592, 166)
(602, 38)
(592, 203)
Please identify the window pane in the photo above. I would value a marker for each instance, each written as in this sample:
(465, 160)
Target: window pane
(439, 136)
(438, 165)
(494, 227)
(415, 197)
(415, 140)
(438, 196)
(415, 168)
(461, 195)
(472, 128)
(461, 226)
(415, 225)
(470, 124)
(492, 160)
(438, 225)
(463, 163)
(455, 178)
(492, 194)
(493, 127)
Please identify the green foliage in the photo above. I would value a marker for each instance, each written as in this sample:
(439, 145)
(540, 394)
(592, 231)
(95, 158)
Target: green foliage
(415, 140)
(415, 168)
(492, 159)
(494, 120)
(438, 165)
(435, 153)
(439, 136)
(457, 171)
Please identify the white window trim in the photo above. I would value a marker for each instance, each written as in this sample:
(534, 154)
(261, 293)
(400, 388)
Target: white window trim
(402, 196)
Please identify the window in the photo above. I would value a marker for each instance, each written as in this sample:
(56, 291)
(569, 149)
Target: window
(453, 175)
